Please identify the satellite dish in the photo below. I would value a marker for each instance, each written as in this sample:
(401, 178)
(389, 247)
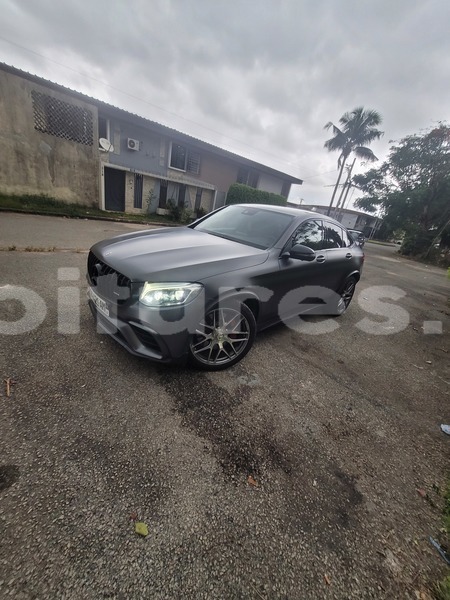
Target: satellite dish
(105, 145)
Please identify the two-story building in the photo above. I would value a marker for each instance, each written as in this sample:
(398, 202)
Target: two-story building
(72, 147)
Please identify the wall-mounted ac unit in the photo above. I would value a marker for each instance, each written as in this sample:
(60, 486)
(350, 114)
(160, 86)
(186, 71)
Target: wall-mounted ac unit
(132, 144)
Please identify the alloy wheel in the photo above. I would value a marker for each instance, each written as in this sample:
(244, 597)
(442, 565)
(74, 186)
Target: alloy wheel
(222, 337)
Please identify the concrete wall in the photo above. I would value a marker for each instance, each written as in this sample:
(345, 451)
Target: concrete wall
(223, 172)
(38, 162)
(219, 171)
(151, 156)
(33, 162)
(348, 220)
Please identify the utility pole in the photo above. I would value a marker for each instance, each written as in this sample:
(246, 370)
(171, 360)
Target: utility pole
(345, 188)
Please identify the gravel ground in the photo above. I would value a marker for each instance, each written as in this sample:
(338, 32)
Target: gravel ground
(337, 431)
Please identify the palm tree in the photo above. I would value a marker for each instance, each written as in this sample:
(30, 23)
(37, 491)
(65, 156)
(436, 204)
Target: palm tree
(357, 128)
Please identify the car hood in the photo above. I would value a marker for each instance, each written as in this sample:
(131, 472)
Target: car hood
(175, 254)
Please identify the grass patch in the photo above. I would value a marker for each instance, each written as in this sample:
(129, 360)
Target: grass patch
(45, 205)
(447, 509)
(40, 249)
(442, 590)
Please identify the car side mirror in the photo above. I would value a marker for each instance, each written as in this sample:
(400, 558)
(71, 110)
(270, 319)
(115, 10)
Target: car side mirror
(361, 238)
(301, 252)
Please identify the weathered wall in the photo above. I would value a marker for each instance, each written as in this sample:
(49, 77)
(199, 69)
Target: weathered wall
(33, 162)
(220, 171)
(147, 158)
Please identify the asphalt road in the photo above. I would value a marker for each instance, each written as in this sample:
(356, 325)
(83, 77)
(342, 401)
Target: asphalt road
(338, 430)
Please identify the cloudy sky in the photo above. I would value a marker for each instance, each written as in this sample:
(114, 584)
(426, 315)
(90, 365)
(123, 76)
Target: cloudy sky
(257, 77)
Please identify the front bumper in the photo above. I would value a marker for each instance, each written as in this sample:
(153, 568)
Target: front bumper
(160, 335)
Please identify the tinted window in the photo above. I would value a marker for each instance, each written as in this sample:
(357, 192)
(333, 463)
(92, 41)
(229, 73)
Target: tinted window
(334, 236)
(309, 234)
(348, 241)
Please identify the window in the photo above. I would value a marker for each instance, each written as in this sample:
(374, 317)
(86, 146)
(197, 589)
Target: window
(309, 234)
(62, 119)
(198, 199)
(334, 236)
(163, 194)
(247, 177)
(178, 157)
(247, 225)
(347, 239)
(193, 163)
(103, 128)
(184, 159)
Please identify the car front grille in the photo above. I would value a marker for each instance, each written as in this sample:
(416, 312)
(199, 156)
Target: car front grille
(108, 282)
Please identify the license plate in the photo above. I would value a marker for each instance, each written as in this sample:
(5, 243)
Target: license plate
(99, 302)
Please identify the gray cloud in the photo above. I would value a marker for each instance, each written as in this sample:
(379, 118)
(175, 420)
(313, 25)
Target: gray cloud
(257, 77)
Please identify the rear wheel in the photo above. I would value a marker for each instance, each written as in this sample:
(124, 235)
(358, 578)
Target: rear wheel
(346, 296)
(222, 338)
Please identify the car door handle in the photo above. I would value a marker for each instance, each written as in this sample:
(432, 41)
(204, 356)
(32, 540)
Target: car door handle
(320, 258)
(348, 255)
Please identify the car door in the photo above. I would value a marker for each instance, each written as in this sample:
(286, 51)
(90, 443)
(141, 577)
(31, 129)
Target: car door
(341, 254)
(299, 281)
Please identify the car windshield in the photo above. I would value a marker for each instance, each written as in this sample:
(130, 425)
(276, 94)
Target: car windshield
(247, 225)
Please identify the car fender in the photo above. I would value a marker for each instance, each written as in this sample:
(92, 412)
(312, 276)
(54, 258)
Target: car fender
(356, 274)
(236, 295)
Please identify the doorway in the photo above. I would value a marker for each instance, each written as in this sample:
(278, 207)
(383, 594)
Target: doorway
(114, 189)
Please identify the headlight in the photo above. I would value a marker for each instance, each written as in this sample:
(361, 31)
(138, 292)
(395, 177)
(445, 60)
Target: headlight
(169, 294)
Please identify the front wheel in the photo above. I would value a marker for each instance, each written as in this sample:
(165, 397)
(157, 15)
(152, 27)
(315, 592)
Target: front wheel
(222, 338)
(346, 295)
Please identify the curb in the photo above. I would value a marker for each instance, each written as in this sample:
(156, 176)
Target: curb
(86, 217)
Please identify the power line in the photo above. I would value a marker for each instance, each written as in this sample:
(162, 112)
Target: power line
(108, 85)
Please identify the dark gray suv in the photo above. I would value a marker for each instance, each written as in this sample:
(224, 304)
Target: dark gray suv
(200, 293)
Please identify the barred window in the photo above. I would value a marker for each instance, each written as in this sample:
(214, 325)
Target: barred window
(184, 159)
(193, 163)
(62, 119)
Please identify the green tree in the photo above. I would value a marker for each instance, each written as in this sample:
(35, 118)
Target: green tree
(412, 189)
(358, 128)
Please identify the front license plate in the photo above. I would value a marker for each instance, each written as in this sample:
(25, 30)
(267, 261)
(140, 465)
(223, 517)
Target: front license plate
(99, 302)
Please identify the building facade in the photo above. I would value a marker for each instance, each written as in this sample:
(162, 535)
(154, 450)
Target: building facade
(64, 144)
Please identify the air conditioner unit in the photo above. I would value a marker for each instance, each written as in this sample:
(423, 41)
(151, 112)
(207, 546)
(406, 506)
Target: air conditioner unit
(132, 144)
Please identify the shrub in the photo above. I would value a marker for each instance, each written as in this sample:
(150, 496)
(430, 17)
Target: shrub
(244, 194)
(174, 211)
(179, 214)
(200, 212)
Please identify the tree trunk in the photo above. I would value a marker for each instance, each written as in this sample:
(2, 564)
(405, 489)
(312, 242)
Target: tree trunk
(344, 188)
(349, 187)
(436, 237)
(337, 185)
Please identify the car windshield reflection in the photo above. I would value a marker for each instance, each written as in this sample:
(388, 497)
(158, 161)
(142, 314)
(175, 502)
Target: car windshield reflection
(247, 225)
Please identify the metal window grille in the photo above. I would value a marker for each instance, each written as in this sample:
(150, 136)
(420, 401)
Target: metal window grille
(163, 193)
(193, 163)
(138, 184)
(198, 199)
(62, 119)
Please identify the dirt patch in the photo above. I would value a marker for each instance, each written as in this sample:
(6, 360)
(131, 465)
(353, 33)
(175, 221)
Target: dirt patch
(9, 474)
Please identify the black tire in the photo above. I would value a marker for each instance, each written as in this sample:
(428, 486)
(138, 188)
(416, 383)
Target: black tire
(223, 337)
(346, 296)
